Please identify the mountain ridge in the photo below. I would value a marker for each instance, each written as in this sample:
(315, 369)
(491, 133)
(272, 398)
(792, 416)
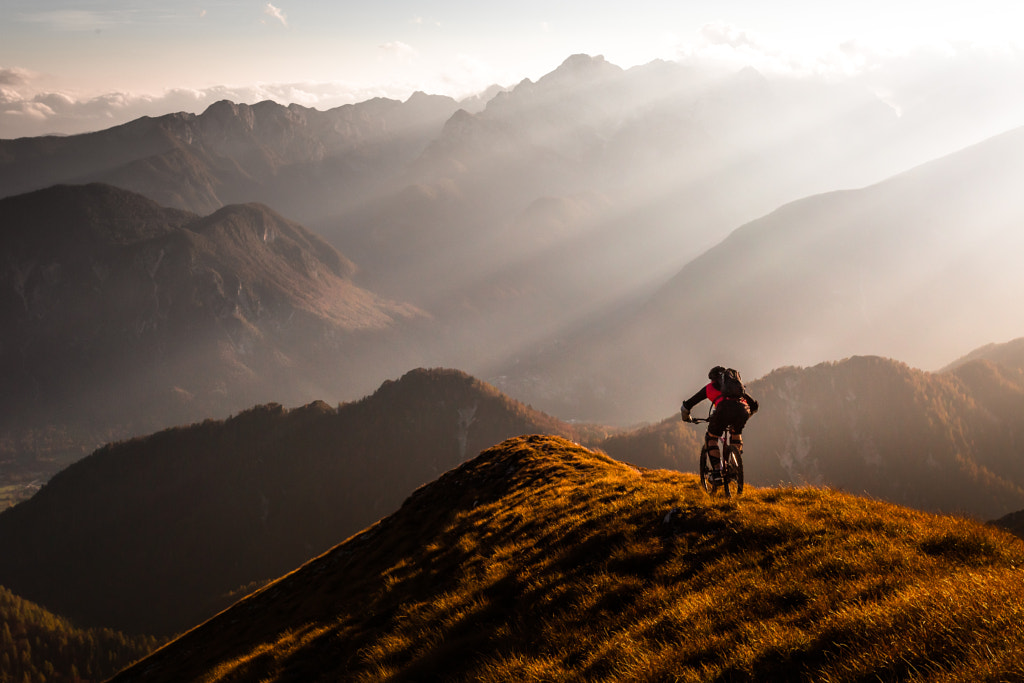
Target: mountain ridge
(203, 510)
(228, 153)
(1009, 354)
(544, 559)
(122, 314)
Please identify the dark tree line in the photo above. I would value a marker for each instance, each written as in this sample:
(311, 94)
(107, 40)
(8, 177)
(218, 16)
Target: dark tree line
(36, 645)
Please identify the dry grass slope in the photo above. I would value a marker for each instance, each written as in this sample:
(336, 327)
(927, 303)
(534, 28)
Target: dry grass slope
(542, 560)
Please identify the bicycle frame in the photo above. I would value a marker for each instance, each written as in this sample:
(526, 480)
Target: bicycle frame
(731, 463)
(725, 439)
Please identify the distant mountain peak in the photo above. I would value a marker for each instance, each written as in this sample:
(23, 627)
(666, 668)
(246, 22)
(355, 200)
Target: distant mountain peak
(582, 67)
(582, 62)
(420, 97)
(113, 295)
(438, 379)
(222, 108)
(65, 217)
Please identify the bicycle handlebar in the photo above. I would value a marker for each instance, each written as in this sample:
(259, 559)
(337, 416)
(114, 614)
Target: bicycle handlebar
(706, 418)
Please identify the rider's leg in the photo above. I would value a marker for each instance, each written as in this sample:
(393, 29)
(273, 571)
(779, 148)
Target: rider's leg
(737, 414)
(736, 439)
(714, 453)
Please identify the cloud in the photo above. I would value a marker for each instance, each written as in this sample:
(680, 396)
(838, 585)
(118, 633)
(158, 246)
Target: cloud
(270, 10)
(401, 51)
(73, 20)
(726, 47)
(720, 33)
(14, 76)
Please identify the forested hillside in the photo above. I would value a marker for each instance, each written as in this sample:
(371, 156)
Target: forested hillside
(37, 646)
(933, 441)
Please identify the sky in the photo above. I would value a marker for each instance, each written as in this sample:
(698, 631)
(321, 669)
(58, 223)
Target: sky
(69, 66)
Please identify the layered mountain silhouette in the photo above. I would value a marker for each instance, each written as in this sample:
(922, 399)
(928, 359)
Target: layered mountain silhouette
(299, 160)
(555, 241)
(559, 198)
(122, 316)
(566, 195)
(206, 510)
(155, 534)
(918, 267)
(1010, 355)
(569, 200)
(933, 441)
(541, 559)
(1013, 522)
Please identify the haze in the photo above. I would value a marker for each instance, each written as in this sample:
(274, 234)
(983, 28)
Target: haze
(559, 232)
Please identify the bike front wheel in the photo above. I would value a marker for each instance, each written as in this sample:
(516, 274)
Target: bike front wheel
(706, 482)
(732, 474)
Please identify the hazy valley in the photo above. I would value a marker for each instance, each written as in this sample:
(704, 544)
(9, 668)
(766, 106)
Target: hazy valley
(213, 335)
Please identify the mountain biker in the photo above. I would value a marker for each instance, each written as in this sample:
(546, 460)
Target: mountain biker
(730, 412)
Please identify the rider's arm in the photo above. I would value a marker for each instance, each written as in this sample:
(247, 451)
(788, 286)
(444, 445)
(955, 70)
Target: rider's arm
(751, 402)
(696, 398)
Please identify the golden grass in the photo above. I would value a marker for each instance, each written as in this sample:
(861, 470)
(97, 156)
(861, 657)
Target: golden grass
(543, 561)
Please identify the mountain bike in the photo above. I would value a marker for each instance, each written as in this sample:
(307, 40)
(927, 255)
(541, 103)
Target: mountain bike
(730, 478)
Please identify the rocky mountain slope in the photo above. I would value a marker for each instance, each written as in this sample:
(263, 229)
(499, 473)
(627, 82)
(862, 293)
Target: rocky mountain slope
(155, 534)
(125, 316)
(541, 559)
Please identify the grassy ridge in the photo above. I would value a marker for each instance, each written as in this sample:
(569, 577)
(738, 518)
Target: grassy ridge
(542, 560)
(154, 535)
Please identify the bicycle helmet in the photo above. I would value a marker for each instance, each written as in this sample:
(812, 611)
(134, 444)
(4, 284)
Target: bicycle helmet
(715, 373)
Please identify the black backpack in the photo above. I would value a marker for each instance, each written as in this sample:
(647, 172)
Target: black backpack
(731, 384)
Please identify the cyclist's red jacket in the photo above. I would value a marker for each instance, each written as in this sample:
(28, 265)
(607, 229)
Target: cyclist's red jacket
(711, 393)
